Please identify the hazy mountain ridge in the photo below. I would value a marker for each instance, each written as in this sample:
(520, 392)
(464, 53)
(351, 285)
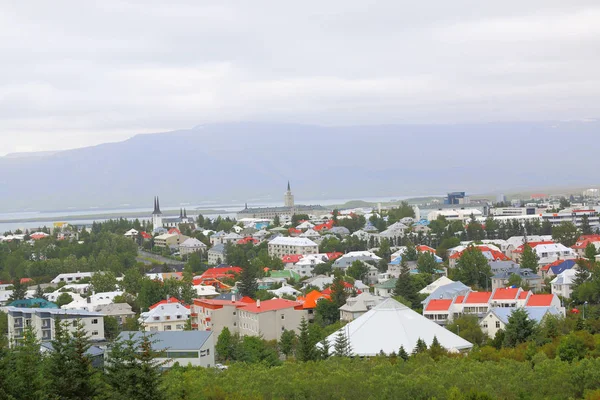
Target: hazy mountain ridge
(249, 160)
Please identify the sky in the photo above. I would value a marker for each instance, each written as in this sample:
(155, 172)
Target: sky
(79, 73)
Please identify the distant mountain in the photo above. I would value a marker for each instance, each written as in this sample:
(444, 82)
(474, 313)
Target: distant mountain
(239, 161)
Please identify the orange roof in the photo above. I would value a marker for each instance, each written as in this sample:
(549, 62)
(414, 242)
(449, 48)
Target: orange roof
(271, 305)
(170, 300)
(540, 300)
(478, 297)
(505, 293)
(333, 256)
(247, 299)
(438, 305)
(460, 299)
(219, 272)
(219, 303)
(174, 231)
(291, 258)
(310, 300)
(532, 245)
(422, 248)
(523, 295)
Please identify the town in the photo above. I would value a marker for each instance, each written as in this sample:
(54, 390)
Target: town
(457, 278)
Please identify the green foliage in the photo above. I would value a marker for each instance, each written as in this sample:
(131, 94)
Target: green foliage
(338, 293)
(358, 270)
(572, 347)
(63, 299)
(529, 259)
(326, 312)
(111, 328)
(519, 328)
(287, 343)
(341, 347)
(306, 350)
(467, 327)
(472, 268)
(565, 233)
(248, 284)
(19, 291)
(405, 286)
(426, 263)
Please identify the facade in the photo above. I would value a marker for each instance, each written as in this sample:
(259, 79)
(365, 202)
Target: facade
(43, 321)
(167, 316)
(72, 277)
(562, 284)
(281, 246)
(119, 311)
(359, 305)
(185, 348)
(169, 240)
(216, 254)
(191, 245)
(497, 318)
(573, 215)
(157, 215)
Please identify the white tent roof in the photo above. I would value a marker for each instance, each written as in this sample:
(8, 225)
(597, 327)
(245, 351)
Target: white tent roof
(441, 281)
(391, 325)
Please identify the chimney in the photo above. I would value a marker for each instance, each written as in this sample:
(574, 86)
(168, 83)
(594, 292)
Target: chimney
(233, 298)
(258, 303)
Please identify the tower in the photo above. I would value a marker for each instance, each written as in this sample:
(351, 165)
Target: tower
(288, 197)
(157, 214)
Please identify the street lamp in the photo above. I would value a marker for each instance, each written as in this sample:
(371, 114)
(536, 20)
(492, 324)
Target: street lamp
(584, 306)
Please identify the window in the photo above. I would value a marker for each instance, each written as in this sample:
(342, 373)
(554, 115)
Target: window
(167, 327)
(179, 327)
(94, 333)
(74, 323)
(485, 324)
(497, 324)
(282, 316)
(95, 321)
(282, 329)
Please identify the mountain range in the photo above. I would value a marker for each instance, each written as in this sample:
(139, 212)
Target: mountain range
(250, 160)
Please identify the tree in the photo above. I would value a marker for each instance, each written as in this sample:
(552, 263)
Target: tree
(590, 254)
(565, 233)
(472, 268)
(529, 259)
(111, 328)
(410, 254)
(436, 351)
(326, 312)
(586, 229)
(403, 354)
(467, 327)
(405, 286)
(426, 263)
(514, 280)
(103, 282)
(27, 379)
(571, 348)
(325, 346)
(276, 221)
(305, 350)
(248, 284)
(19, 291)
(225, 346)
(69, 367)
(39, 293)
(358, 270)
(63, 299)
(420, 347)
(342, 347)
(338, 292)
(287, 343)
(519, 328)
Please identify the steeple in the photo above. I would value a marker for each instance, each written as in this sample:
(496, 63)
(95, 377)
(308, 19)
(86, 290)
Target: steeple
(289, 190)
(156, 206)
(181, 213)
(184, 213)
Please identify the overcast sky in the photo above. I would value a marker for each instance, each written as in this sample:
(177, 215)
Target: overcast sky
(76, 73)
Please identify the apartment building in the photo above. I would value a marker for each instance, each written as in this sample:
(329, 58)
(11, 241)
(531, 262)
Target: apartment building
(43, 321)
(281, 246)
(166, 315)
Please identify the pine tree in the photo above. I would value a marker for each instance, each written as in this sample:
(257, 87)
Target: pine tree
(402, 353)
(519, 328)
(325, 348)
(586, 229)
(27, 379)
(19, 291)
(287, 342)
(39, 293)
(411, 252)
(341, 347)
(149, 373)
(590, 254)
(248, 284)
(420, 347)
(530, 258)
(436, 350)
(405, 286)
(306, 349)
(338, 293)
(224, 347)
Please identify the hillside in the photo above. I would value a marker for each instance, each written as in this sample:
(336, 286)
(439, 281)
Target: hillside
(239, 161)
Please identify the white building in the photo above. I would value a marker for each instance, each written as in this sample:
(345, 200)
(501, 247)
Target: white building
(562, 284)
(497, 317)
(216, 254)
(72, 277)
(165, 316)
(91, 302)
(359, 305)
(188, 348)
(43, 322)
(281, 246)
(191, 245)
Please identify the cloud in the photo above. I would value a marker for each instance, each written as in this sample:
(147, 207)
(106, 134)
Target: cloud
(78, 73)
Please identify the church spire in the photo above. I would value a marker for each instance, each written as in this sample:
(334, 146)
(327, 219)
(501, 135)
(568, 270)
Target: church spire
(289, 186)
(156, 206)
(181, 213)
(184, 213)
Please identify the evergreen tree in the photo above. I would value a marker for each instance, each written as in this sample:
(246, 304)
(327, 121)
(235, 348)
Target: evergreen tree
(338, 294)
(405, 286)
(187, 292)
(436, 351)
(420, 347)
(27, 380)
(39, 293)
(287, 343)
(411, 252)
(426, 263)
(276, 221)
(590, 254)
(19, 291)
(306, 348)
(225, 347)
(586, 229)
(69, 367)
(248, 284)
(529, 259)
(325, 348)
(519, 328)
(473, 268)
(403, 354)
(341, 347)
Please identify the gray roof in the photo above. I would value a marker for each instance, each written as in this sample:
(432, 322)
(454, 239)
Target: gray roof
(93, 351)
(115, 309)
(524, 273)
(54, 311)
(218, 248)
(535, 313)
(448, 291)
(173, 340)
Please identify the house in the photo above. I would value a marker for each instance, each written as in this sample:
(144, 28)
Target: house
(169, 240)
(319, 281)
(441, 281)
(557, 267)
(187, 348)
(392, 325)
(281, 246)
(91, 302)
(310, 234)
(528, 278)
(71, 277)
(191, 245)
(562, 284)
(358, 305)
(473, 303)
(131, 234)
(583, 242)
(205, 291)
(339, 230)
(547, 252)
(393, 232)
(285, 290)
(217, 238)
(270, 318)
(119, 311)
(216, 255)
(43, 321)
(492, 253)
(347, 259)
(216, 314)
(497, 318)
(231, 238)
(166, 315)
(386, 289)
(221, 272)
